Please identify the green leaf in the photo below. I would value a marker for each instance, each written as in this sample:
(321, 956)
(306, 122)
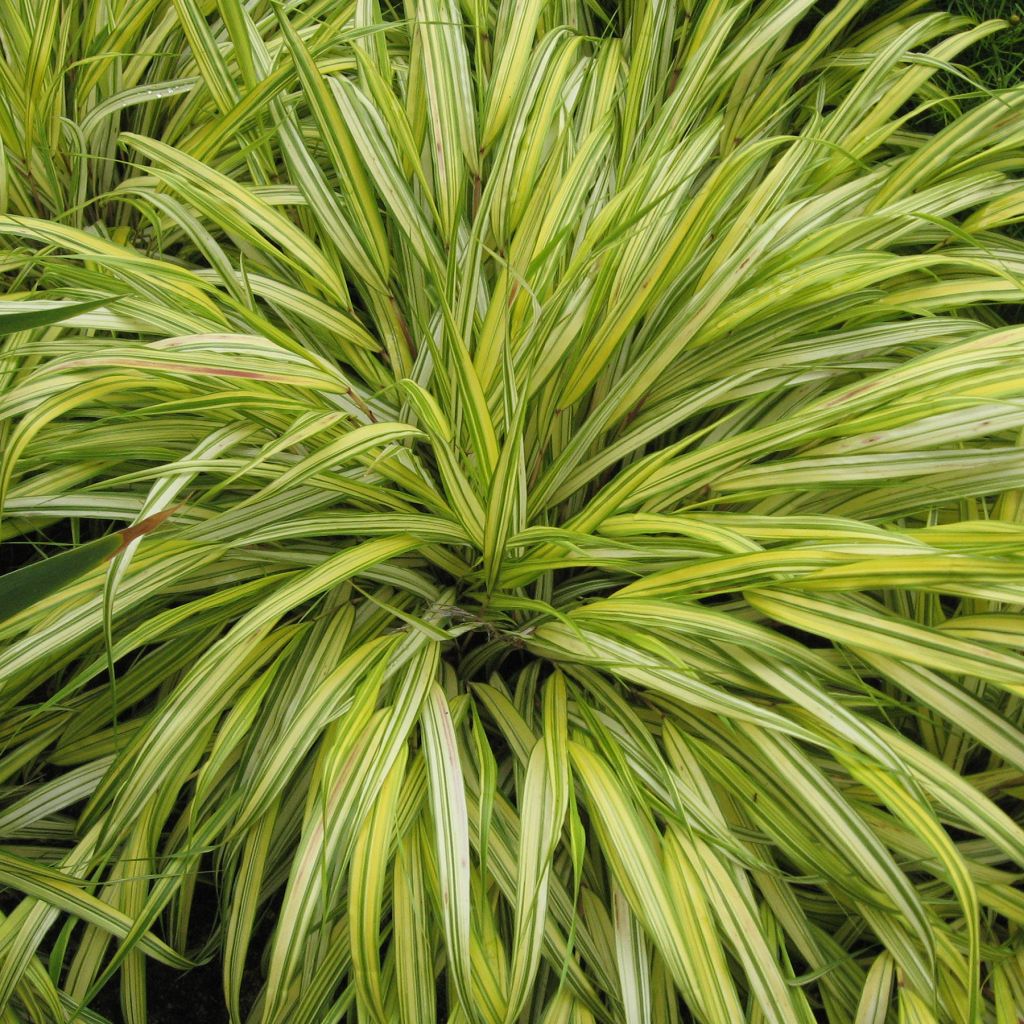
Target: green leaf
(26, 314)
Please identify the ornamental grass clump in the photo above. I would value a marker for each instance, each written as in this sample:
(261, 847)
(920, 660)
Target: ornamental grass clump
(555, 486)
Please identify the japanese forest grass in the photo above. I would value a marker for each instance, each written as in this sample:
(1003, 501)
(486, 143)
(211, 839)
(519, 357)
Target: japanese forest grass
(586, 443)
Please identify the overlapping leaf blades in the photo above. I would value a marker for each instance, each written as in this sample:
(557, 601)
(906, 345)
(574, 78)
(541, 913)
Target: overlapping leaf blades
(595, 595)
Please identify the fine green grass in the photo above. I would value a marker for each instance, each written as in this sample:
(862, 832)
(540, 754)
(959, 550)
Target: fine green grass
(999, 64)
(519, 511)
(998, 60)
(993, 62)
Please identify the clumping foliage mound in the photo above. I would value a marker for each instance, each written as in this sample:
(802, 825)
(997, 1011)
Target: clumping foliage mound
(573, 460)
